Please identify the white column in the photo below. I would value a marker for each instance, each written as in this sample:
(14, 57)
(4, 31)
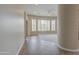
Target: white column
(68, 17)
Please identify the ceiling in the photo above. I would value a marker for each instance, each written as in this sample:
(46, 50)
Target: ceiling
(33, 9)
(42, 9)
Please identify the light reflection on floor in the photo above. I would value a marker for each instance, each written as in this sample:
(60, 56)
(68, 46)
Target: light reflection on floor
(42, 45)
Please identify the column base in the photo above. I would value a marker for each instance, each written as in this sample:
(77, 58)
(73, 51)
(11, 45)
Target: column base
(66, 49)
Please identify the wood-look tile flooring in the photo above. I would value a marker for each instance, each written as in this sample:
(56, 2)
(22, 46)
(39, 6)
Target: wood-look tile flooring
(43, 45)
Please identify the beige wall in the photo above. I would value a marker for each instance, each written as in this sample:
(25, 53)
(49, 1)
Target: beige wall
(68, 26)
(25, 24)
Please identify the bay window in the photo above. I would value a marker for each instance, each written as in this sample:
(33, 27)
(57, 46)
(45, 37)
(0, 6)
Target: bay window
(43, 25)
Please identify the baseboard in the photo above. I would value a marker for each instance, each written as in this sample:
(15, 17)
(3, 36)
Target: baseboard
(66, 49)
(20, 47)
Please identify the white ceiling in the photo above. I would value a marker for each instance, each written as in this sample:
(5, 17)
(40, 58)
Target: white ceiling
(40, 9)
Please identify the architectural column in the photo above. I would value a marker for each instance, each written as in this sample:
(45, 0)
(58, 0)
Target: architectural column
(68, 16)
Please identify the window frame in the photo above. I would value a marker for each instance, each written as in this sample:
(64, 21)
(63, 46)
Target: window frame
(43, 18)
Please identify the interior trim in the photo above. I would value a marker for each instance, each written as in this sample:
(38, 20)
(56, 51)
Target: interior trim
(20, 47)
(66, 49)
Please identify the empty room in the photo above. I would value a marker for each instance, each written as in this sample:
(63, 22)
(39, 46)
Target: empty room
(39, 29)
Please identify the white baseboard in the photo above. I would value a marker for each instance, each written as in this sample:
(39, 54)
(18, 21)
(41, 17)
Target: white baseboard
(66, 49)
(20, 47)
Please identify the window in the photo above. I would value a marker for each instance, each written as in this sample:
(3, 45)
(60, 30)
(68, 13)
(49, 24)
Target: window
(43, 25)
(53, 25)
(33, 24)
(39, 25)
(48, 25)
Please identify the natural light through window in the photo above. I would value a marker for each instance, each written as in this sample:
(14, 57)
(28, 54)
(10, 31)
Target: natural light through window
(33, 24)
(53, 25)
(43, 25)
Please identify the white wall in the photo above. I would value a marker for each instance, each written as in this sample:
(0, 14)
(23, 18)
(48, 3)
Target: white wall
(11, 32)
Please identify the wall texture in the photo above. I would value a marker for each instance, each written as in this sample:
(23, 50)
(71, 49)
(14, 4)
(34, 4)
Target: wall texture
(11, 32)
(68, 26)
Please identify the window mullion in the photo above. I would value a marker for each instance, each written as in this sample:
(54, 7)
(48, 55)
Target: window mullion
(50, 25)
(36, 25)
